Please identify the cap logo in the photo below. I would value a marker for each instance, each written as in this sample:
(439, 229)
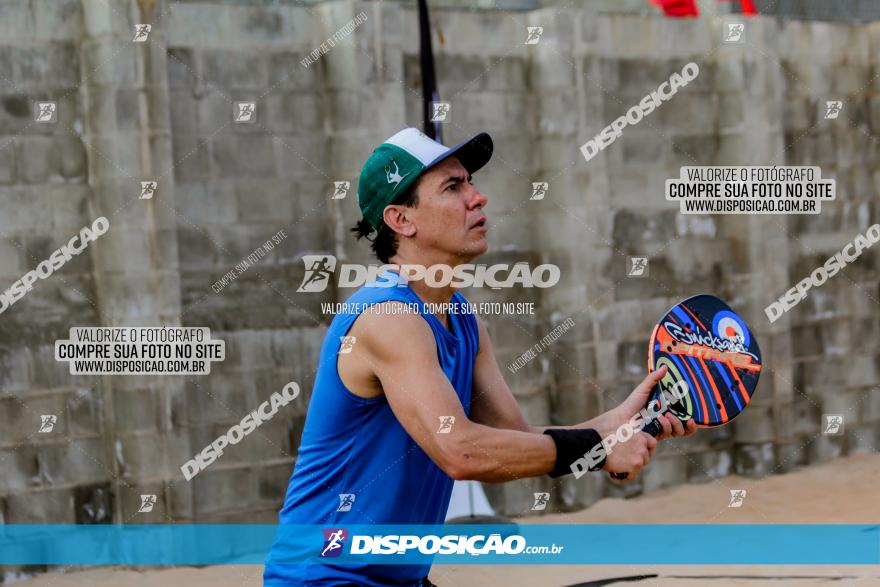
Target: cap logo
(394, 177)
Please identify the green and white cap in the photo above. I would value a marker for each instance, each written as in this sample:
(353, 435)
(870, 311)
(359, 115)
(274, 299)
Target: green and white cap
(397, 163)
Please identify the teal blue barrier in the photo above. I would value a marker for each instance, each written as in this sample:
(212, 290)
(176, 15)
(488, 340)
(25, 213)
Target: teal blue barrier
(209, 544)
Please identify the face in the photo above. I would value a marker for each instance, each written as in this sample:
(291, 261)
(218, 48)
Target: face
(449, 219)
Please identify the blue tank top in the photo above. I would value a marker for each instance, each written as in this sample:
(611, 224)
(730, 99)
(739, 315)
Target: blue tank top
(353, 445)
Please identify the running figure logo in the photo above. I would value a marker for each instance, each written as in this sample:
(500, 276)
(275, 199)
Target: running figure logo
(535, 33)
(541, 500)
(147, 503)
(737, 497)
(47, 423)
(833, 424)
(539, 190)
(44, 111)
(637, 267)
(148, 188)
(347, 344)
(346, 500)
(340, 189)
(141, 32)
(319, 268)
(735, 32)
(440, 111)
(245, 112)
(334, 539)
(446, 423)
(832, 109)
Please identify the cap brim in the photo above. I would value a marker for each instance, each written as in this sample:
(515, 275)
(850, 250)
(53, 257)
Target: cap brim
(472, 154)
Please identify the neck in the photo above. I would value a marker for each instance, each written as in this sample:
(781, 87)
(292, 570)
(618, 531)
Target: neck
(430, 294)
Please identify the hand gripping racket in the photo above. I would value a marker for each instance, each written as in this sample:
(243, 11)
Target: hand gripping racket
(708, 348)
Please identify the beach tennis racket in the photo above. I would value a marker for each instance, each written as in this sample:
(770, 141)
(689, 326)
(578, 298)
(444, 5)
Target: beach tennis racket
(708, 350)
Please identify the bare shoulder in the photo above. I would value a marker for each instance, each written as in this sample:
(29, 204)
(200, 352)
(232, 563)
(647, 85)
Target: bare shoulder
(482, 328)
(387, 339)
(483, 331)
(389, 330)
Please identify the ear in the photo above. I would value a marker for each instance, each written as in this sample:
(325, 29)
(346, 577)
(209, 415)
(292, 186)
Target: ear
(396, 217)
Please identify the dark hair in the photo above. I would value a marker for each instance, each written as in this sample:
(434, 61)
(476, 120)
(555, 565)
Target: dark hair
(384, 244)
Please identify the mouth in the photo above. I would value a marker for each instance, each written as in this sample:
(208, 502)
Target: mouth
(481, 224)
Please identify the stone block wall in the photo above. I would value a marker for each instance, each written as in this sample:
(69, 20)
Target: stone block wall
(163, 110)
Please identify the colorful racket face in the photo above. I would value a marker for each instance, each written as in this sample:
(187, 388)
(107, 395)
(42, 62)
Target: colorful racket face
(708, 348)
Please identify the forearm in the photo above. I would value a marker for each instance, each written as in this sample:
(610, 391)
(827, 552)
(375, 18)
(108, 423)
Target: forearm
(596, 423)
(493, 455)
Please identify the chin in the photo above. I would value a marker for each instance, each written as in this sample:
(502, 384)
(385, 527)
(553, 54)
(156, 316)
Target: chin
(470, 248)
(478, 248)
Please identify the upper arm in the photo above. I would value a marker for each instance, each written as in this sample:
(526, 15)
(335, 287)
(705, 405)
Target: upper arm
(402, 353)
(492, 402)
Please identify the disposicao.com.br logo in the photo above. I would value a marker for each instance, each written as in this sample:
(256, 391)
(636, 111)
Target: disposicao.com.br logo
(430, 544)
(319, 270)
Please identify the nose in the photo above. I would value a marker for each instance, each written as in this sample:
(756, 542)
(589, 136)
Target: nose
(478, 199)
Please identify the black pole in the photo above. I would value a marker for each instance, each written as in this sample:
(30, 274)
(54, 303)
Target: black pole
(429, 80)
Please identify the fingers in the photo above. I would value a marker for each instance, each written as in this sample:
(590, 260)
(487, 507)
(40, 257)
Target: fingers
(642, 456)
(639, 396)
(650, 444)
(663, 419)
(651, 380)
(672, 427)
(643, 446)
(631, 474)
(677, 426)
(637, 454)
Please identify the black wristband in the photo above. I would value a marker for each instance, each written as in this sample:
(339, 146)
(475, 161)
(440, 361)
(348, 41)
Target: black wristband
(572, 445)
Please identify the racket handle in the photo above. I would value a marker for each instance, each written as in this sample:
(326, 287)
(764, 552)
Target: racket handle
(654, 429)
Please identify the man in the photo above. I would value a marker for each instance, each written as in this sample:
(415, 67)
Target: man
(418, 400)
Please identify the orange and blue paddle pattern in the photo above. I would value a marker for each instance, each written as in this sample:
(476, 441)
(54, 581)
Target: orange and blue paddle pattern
(706, 345)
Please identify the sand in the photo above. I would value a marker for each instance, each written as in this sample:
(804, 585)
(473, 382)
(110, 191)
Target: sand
(842, 491)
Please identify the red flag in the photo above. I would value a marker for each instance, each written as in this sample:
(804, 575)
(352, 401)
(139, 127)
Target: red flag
(677, 8)
(747, 6)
